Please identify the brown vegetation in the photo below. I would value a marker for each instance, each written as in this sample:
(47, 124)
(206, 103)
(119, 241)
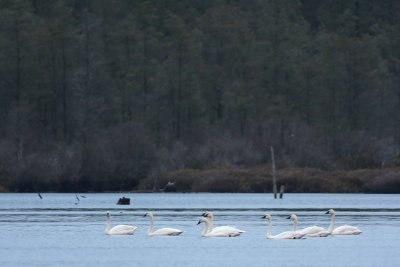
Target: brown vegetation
(297, 180)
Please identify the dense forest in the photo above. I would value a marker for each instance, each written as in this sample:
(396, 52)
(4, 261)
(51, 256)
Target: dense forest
(111, 95)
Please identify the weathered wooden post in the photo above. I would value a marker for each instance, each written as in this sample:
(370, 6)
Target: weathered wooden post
(281, 190)
(38, 192)
(275, 189)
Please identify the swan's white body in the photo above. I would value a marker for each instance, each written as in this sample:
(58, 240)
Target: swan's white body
(312, 231)
(346, 230)
(222, 229)
(284, 235)
(119, 229)
(342, 230)
(315, 231)
(162, 231)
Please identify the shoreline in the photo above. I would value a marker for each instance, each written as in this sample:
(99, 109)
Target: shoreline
(257, 180)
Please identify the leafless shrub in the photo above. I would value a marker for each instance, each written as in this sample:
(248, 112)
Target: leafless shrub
(8, 156)
(387, 181)
(362, 149)
(304, 148)
(118, 158)
(225, 150)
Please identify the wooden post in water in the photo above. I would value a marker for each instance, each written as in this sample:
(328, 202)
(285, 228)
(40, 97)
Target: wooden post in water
(38, 192)
(275, 189)
(281, 190)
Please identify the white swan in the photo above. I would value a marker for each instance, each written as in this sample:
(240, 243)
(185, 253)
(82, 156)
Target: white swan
(342, 230)
(284, 235)
(119, 229)
(223, 229)
(162, 231)
(313, 231)
(296, 234)
(215, 233)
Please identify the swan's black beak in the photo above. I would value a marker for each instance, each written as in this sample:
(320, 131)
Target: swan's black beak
(199, 223)
(145, 215)
(264, 217)
(288, 217)
(327, 212)
(204, 214)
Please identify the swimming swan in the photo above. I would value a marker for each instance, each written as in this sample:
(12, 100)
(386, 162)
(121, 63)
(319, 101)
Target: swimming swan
(216, 233)
(223, 229)
(297, 234)
(284, 235)
(119, 229)
(342, 230)
(313, 231)
(162, 231)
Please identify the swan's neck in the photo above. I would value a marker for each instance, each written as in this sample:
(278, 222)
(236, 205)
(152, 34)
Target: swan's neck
(210, 223)
(151, 224)
(206, 228)
(108, 225)
(332, 224)
(295, 225)
(269, 228)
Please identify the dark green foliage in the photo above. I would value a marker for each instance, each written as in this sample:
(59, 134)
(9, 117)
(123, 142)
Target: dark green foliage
(102, 95)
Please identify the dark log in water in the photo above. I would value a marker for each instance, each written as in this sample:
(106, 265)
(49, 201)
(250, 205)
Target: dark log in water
(124, 201)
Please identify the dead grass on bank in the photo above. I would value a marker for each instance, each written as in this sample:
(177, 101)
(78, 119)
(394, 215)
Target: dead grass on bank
(297, 180)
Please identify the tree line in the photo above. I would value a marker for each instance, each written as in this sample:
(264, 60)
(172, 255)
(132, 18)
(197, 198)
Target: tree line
(101, 95)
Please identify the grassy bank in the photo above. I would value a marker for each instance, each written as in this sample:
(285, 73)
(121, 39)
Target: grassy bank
(298, 180)
(259, 180)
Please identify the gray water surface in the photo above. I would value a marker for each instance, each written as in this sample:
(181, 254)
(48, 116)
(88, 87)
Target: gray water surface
(58, 230)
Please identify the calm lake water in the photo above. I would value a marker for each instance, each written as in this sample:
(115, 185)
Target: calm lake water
(59, 231)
